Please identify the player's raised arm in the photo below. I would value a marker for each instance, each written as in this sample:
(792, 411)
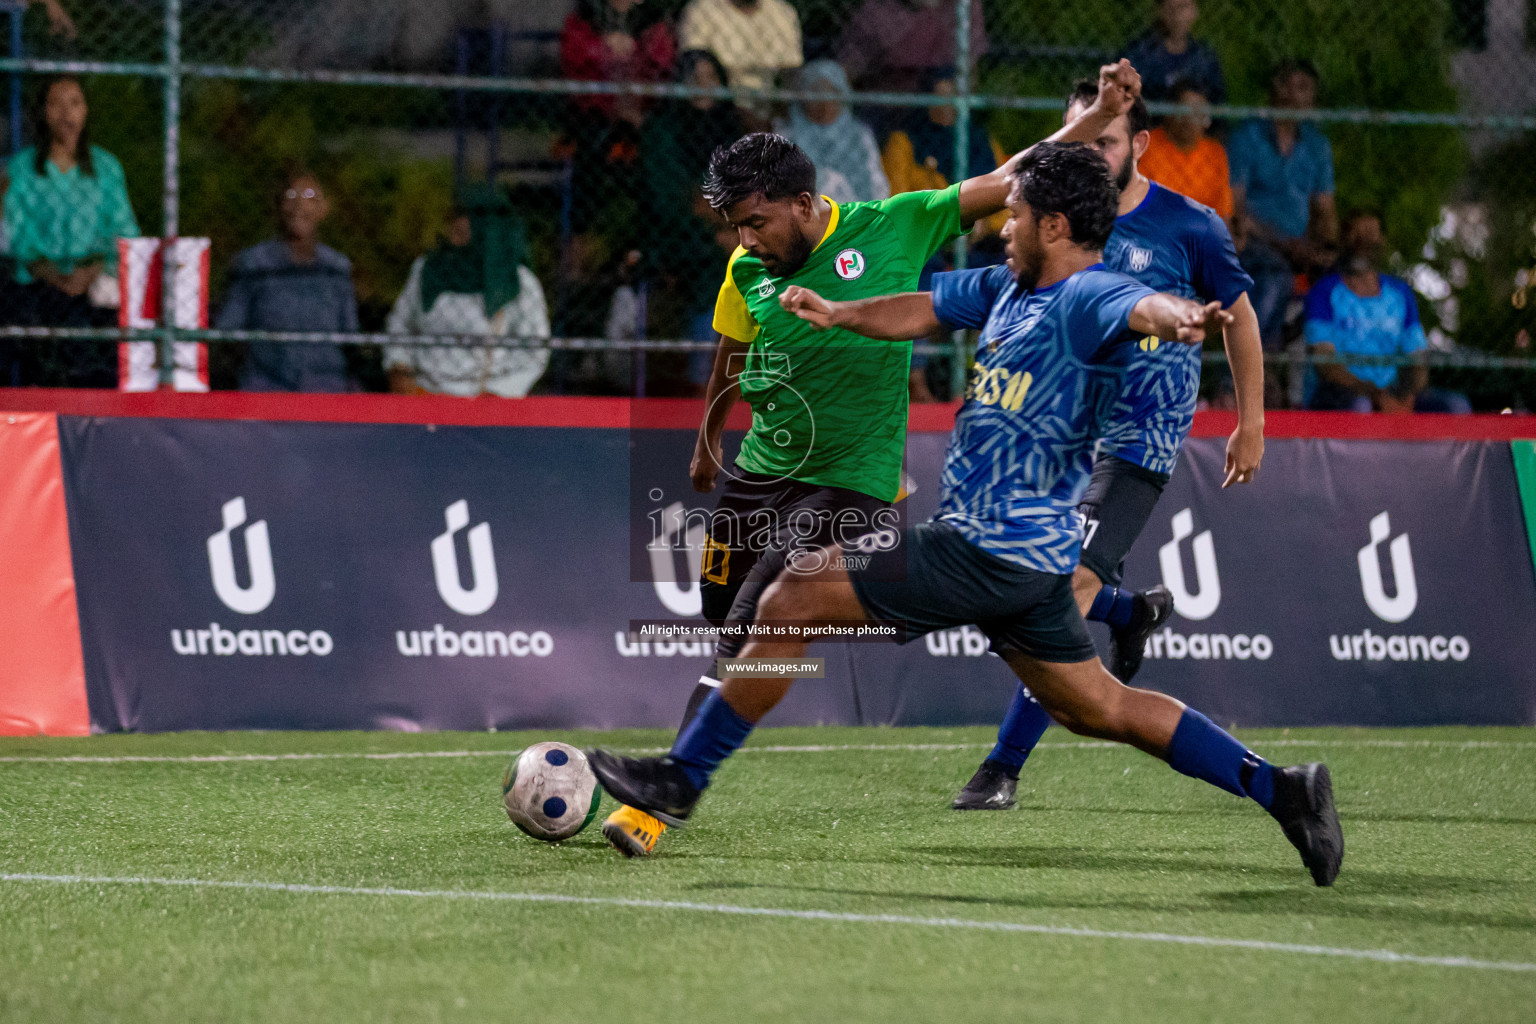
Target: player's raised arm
(1119, 86)
(1174, 319)
(888, 317)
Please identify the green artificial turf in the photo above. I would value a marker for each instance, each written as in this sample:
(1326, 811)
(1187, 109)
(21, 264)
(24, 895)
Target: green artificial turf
(1440, 828)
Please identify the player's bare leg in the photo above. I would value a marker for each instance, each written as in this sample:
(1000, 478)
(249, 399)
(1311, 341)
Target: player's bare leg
(1132, 618)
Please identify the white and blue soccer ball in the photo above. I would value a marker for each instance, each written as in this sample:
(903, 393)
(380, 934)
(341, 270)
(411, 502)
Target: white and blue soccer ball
(549, 791)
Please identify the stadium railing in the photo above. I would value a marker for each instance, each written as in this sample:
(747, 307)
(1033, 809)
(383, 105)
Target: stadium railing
(1426, 106)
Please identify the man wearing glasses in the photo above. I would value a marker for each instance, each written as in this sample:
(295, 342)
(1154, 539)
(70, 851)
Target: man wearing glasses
(293, 283)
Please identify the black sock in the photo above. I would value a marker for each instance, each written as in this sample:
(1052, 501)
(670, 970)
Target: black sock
(701, 690)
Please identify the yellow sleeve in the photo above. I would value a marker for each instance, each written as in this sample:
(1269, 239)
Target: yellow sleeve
(732, 317)
(897, 160)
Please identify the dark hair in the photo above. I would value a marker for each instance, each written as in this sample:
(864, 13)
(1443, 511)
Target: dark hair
(1361, 213)
(761, 164)
(1072, 179)
(44, 137)
(690, 59)
(1086, 90)
(1291, 65)
(1181, 86)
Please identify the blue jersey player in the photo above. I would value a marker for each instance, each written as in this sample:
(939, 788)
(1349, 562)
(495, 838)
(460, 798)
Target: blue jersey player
(1171, 244)
(1058, 333)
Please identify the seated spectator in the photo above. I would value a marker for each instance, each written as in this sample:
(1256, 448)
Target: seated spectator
(894, 45)
(608, 41)
(1282, 189)
(475, 282)
(1165, 54)
(674, 151)
(1359, 311)
(293, 283)
(754, 39)
(59, 21)
(677, 141)
(1182, 157)
(920, 154)
(65, 209)
(841, 146)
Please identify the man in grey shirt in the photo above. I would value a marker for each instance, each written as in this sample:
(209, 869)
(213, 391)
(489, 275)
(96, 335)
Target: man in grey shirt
(293, 283)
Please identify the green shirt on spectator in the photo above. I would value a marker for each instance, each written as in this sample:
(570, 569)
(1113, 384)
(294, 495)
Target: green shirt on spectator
(66, 217)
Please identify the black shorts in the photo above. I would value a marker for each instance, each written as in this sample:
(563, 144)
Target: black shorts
(761, 520)
(936, 579)
(1117, 505)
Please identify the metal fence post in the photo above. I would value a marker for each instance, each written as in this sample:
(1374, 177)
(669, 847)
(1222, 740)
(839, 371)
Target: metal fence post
(960, 364)
(172, 227)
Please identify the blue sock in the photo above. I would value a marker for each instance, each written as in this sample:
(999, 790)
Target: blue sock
(713, 735)
(1022, 728)
(1203, 750)
(1112, 605)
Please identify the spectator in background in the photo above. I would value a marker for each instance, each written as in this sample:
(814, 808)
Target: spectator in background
(841, 146)
(1165, 54)
(475, 282)
(674, 152)
(754, 39)
(59, 21)
(894, 45)
(293, 283)
(920, 154)
(676, 143)
(65, 209)
(1359, 311)
(1282, 189)
(1182, 157)
(608, 41)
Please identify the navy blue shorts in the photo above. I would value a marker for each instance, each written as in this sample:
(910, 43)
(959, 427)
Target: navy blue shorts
(936, 579)
(1116, 506)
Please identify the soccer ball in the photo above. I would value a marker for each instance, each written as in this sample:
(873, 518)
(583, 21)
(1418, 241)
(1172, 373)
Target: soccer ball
(549, 791)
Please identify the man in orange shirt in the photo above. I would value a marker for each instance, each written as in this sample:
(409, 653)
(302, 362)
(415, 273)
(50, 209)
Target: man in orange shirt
(1180, 156)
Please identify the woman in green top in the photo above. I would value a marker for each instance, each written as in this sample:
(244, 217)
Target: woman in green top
(66, 207)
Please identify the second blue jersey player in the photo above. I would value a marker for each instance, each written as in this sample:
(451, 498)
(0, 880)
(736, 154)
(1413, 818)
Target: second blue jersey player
(1175, 245)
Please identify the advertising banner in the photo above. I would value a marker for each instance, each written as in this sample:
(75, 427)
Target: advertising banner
(42, 680)
(320, 575)
(337, 576)
(1355, 582)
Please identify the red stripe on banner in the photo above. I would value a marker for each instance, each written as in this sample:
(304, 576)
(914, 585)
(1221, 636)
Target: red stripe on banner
(673, 414)
(42, 670)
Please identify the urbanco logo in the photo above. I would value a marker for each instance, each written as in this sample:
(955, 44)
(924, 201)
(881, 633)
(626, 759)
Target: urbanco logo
(678, 599)
(1400, 606)
(250, 599)
(1201, 604)
(482, 564)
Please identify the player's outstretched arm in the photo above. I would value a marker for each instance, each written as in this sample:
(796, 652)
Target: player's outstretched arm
(1174, 319)
(1119, 85)
(887, 317)
(1245, 356)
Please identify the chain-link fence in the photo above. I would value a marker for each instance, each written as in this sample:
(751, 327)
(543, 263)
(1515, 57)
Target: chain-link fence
(498, 196)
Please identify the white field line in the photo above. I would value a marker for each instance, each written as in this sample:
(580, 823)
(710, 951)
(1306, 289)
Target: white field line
(766, 749)
(1378, 955)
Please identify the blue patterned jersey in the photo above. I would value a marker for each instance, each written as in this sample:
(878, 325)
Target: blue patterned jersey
(1048, 366)
(1172, 244)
